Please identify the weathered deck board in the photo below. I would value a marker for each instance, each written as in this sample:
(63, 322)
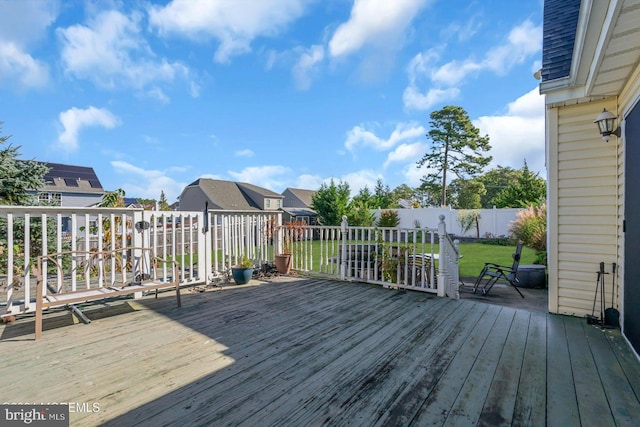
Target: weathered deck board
(319, 352)
(500, 403)
(562, 404)
(530, 402)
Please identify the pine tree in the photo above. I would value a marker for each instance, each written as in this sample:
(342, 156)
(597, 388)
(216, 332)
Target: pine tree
(18, 177)
(456, 147)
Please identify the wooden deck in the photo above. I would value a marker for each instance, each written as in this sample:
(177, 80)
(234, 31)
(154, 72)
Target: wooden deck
(307, 352)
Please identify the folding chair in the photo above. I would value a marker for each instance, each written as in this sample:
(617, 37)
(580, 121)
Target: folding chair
(494, 272)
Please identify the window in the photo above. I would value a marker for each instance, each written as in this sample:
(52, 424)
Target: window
(50, 198)
(71, 182)
(267, 203)
(278, 204)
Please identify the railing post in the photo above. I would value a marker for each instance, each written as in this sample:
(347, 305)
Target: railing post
(442, 272)
(343, 249)
(205, 244)
(456, 272)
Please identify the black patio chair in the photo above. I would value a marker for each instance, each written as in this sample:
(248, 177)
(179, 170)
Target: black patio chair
(491, 273)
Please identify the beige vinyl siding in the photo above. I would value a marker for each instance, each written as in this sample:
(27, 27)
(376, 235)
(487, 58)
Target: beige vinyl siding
(586, 219)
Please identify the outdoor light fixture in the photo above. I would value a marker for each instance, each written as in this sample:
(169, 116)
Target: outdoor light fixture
(607, 125)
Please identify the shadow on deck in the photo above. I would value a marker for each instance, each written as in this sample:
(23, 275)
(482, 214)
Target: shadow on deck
(320, 352)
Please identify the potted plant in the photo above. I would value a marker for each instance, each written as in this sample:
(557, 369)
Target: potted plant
(243, 271)
(283, 260)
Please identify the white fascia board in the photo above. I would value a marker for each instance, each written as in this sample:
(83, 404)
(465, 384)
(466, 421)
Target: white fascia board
(611, 17)
(580, 42)
(566, 94)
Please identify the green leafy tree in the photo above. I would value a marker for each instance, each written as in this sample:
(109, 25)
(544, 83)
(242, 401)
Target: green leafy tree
(456, 147)
(495, 180)
(528, 189)
(113, 199)
(147, 203)
(388, 218)
(467, 193)
(330, 202)
(359, 215)
(404, 192)
(364, 198)
(359, 208)
(428, 194)
(163, 204)
(383, 197)
(18, 177)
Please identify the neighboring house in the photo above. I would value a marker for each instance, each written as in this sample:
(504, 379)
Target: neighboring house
(70, 186)
(132, 202)
(591, 54)
(297, 206)
(228, 195)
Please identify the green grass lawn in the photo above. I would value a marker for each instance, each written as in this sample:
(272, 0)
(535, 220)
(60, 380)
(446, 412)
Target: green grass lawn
(474, 255)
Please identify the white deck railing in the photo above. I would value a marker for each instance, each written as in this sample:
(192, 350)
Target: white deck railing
(208, 244)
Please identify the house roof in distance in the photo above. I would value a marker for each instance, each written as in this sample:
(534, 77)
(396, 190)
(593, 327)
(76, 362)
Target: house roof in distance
(71, 179)
(305, 196)
(231, 195)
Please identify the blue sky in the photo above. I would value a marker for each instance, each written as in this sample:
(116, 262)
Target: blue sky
(277, 93)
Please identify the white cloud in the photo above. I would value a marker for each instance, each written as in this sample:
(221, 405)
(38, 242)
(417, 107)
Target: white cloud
(358, 135)
(74, 119)
(268, 177)
(454, 72)
(412, 174)
(308, 182)
(406, 153)
(235, 24)
(307, 66)
(158, 94)
(463, 32)
(376, 22)
(420, 64)
(244, 153)
(25, 22)
(19, 69)
(147, 183)
(522, 42)
(414, 100)
(519, 134)
(111, 52)
(360, 179)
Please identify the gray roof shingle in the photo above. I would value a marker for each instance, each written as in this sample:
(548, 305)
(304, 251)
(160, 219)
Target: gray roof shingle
(559, 35)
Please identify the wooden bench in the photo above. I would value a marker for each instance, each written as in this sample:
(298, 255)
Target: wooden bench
(85, 276)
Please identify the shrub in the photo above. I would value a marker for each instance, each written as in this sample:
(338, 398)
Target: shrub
(389, 218)
(530, 227)
(467, 219)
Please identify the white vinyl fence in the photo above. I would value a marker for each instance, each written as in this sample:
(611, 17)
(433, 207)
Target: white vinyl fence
(491, 223)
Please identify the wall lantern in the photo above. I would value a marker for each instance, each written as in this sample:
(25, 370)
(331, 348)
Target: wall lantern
(607, 125)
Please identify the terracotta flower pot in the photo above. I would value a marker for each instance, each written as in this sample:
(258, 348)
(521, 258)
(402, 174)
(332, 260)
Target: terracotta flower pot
(283, 263)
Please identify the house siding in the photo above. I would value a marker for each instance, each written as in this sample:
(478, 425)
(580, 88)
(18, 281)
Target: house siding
(586, 219)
